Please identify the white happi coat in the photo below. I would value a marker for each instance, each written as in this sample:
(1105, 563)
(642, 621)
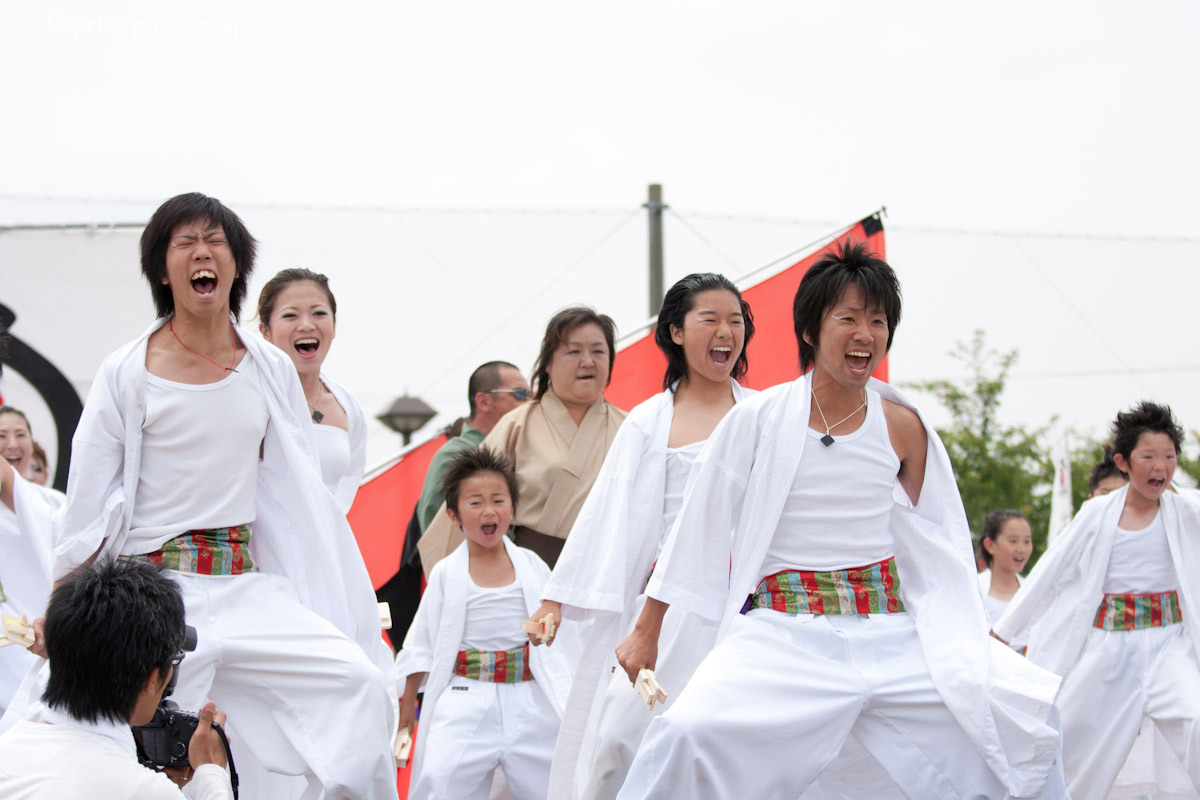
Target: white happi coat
(299, 530)
(741, 481)
(356, 423)
(603, 567)
(433, 641)
(1057, 605)
(27, 547)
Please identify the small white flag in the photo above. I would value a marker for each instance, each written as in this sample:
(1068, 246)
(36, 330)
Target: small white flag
(1061, 509)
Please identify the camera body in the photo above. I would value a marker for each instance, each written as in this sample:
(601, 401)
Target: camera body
(163, 742)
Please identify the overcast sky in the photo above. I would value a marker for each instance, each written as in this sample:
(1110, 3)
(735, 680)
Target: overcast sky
(342, 136)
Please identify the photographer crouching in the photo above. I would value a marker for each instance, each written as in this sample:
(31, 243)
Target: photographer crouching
(114, 634)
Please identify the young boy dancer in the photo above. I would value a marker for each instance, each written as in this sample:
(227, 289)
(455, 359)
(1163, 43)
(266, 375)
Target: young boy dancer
(196, 451)
(1111, 608)
(489, 701)
(865, 616)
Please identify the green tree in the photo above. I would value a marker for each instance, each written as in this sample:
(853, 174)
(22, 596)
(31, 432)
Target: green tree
(995, 466)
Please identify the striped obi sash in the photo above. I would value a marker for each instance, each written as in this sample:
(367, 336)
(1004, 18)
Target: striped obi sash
(1131, 612)
(494, 666)
(215, 551)
(873, 589)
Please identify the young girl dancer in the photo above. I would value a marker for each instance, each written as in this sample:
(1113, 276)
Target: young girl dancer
(488, 700)
(298, 314)
(1112, 608)
(703, 329)
(1006, 545)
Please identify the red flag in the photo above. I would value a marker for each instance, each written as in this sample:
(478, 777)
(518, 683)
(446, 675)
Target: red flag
(386, 500)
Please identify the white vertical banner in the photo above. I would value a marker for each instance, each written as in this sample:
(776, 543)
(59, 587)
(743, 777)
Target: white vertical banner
(1061, 509)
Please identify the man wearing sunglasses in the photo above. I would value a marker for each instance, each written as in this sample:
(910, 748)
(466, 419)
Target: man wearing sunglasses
(494, 389)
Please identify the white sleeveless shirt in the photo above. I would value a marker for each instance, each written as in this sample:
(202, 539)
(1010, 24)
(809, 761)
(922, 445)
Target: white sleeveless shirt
(837, 513)
(200, 445)
(1140, 562)
(333, 450)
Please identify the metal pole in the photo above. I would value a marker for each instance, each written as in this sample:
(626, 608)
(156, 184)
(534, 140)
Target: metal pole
(655, 206)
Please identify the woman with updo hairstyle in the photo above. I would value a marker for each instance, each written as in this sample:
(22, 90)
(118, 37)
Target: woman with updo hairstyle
(558, 440)
(704, 327)
(298, 314)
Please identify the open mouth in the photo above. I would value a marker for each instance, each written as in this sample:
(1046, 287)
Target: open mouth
(584, 377)
(1157, 483)
(721, 355)
(488, 530)
(14, 460)
(308, 346)
(204, 282)
(858, 360)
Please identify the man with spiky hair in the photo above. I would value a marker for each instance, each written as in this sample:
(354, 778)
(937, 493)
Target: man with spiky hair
(1112, 607)
(848, 604)
(114, 632)
(195, 451)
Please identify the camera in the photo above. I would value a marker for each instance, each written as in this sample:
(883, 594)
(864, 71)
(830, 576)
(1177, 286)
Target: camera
(163, 742)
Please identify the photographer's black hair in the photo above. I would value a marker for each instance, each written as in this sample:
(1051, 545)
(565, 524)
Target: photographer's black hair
(679, 300)
(1147, 417)
(109, 626)
(993, 523)
(848, 263)
(193, 207)
(471, 462)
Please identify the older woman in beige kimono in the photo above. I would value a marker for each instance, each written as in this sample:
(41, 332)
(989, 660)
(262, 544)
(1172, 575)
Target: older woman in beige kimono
(558, 440)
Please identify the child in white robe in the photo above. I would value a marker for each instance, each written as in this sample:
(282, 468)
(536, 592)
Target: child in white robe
(1111, 608)
(488, 701)
(1006, 546)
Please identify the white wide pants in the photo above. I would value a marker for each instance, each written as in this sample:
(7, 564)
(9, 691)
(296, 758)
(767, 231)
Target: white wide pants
(477, 726)
(684, 642)
(1120, 677)
(772, 705)
(300, 696)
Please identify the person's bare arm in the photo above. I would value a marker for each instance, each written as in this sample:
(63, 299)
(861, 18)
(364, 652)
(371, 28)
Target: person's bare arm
(911, 444)
(408, 703)
(639, 650)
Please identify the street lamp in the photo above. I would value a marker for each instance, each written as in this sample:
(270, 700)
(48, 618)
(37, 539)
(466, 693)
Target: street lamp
(406, 415)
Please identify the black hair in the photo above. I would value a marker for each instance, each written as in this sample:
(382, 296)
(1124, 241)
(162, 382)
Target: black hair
(848, 263)
(1104, 469)
(180, 210)
(109, 626)
(679, 300)
(471, 462)
(557, 329)
(993, 523)
(1147, 417)
(10, 410)
(271, 289)
(485, 378)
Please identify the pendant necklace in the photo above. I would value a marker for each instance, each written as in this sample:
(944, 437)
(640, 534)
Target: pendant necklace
(828, 439)
(171, 325)
(317, 416)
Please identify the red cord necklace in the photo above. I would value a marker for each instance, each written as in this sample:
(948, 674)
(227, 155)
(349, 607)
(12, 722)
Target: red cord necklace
(171, 325)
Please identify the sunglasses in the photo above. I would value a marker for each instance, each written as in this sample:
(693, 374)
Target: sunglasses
(519, 393)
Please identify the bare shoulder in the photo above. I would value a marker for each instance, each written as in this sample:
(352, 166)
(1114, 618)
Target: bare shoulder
(905, 428)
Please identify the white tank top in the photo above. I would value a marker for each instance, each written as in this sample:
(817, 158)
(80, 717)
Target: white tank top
(494, 617)
(836, 515)
(199, 457)
(679, 467)
(1141, 561)
(333, 449)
